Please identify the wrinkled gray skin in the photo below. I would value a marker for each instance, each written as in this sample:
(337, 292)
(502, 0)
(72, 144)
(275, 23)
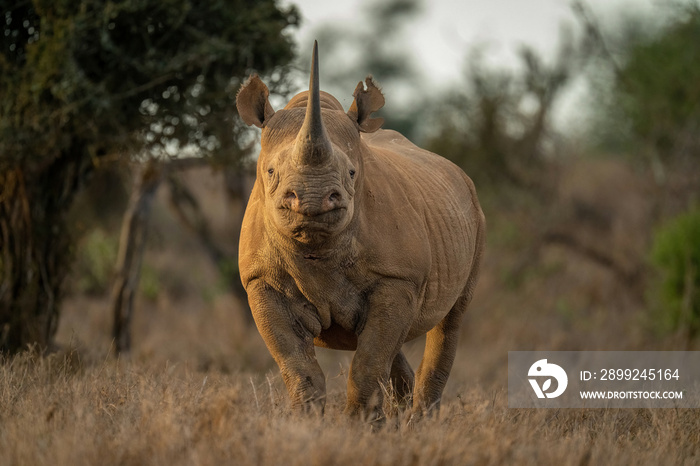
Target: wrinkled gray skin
(355, 239)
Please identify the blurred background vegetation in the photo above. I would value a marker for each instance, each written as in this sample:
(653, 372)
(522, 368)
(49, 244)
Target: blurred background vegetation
(119, 115)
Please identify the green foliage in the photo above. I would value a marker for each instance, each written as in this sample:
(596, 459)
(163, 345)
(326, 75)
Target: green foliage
(676, 256)
(84, 82)
(229, 273)
(149, 284)
(659, 84)
(109, 76)
(229, 278)
(648, 89)
(94, 264)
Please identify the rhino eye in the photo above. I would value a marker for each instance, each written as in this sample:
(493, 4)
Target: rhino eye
(352, 173)
(270, 171)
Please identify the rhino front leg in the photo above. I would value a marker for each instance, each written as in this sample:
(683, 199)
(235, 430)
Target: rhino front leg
(391, 309)
(291, 344)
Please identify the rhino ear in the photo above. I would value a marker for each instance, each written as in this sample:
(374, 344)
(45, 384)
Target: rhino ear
(367, 101)
(252, 102)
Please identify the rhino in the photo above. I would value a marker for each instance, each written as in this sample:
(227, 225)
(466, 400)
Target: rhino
(355, 239)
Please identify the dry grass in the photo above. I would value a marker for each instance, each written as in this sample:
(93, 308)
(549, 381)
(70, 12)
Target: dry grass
(200, 387)
(60, 410)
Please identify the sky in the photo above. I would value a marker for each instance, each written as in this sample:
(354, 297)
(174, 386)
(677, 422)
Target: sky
(445, 30)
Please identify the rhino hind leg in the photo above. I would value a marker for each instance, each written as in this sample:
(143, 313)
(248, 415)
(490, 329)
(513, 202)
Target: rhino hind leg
(402, 379)
(434, 370)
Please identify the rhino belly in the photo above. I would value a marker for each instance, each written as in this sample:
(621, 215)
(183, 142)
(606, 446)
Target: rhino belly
(336, 337)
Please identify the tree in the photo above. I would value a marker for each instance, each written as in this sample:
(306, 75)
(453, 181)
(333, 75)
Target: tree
(374, 44)
(497, 125)
(652, 91)
(647, 107)
(84, 82)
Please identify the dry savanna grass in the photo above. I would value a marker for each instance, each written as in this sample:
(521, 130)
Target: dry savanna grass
(199, 386)
(60, 410)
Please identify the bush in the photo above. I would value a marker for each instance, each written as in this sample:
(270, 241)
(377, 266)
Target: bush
(676, 256)
(94, 266)
(149, 283)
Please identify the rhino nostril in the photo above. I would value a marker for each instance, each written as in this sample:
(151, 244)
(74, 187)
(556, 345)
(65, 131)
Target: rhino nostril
(291, 201)
(334, 197)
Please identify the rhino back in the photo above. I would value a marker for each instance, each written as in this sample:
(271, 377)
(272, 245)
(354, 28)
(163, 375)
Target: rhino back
(423, 220)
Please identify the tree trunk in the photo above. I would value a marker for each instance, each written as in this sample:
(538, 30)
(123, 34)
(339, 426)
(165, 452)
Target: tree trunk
(35, 249)
(134, 233)
(131, 247)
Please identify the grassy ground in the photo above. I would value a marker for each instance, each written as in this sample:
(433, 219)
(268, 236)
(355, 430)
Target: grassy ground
(199, 386)
(60, 410)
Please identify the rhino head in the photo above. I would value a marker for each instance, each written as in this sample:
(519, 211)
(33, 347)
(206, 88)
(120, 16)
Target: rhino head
(310, 159)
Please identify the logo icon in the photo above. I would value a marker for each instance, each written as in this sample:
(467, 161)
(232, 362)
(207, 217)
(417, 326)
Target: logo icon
(541, 369)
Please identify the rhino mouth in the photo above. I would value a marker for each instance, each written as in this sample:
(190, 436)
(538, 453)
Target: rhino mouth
(318, 218)
(300, 225)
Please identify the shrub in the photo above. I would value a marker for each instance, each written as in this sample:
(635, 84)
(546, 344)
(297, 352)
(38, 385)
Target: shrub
(149, 283)
(676, 257)
(94, 266)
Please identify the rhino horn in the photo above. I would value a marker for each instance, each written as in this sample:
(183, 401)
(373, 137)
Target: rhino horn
(313, 146)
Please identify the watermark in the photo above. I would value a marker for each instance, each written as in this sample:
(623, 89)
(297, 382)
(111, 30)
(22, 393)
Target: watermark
(604, 379)
(542, 369)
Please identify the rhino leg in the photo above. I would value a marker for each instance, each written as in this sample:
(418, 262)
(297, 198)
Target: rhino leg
(292, 347)
(402, 378)
(440, 349)
(391, 309)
